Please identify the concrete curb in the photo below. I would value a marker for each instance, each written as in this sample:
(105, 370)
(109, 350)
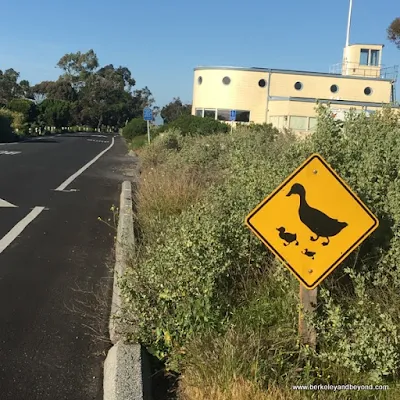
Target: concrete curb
(124, 376)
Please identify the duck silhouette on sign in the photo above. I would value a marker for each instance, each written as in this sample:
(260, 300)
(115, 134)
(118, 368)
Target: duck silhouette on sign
(310, 254)
(287, 237)
(318, 222)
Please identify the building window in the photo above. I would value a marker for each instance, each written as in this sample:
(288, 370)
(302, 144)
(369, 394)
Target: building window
(224, 115)
(209, 114)
(334, 88)
(364, 56)
(374, 58)
(226, 80)
(199, 112)
(278, 121)
(367, 91)
(298, 123)
(242, 116)
(298, 85)
(200, 80)
(312, 123)
(262, 83)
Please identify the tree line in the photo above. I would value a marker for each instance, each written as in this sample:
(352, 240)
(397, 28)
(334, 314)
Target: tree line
(85, 94)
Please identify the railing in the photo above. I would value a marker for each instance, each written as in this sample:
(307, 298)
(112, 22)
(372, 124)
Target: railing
(356, 69)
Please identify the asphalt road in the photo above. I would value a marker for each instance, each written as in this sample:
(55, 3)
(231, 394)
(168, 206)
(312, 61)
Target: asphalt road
(55, 260)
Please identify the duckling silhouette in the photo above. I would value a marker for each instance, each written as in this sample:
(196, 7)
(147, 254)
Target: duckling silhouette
(310, 254)
(287, 237)
(318, 222)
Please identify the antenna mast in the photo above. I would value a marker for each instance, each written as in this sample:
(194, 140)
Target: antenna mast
(349, 23)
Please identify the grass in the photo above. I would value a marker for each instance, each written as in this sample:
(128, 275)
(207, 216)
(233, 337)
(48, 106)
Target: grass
(139, 142)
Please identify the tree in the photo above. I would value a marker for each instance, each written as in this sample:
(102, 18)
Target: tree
(26, 89)
(174, 110)
(9, 87)
(58, 90)
(393, 32)
(78, 66)
(26, 107)
(55, 113)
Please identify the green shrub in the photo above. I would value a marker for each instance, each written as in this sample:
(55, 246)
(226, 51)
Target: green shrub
(192, 125)
(18, 123)
(6, 134)
(54, 113)
(26, 107)
(198, 275)
(135, 127)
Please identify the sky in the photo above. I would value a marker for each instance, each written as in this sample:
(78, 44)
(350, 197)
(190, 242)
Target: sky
(162, 41)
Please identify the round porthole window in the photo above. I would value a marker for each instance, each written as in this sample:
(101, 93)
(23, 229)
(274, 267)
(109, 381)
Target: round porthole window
(298, 85)
(367, 91)
(334, 88)
(226, 80)
(262, 83)
(200, 80)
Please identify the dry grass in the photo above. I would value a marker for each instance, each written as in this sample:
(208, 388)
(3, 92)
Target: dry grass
(166, 191)
(239, 389)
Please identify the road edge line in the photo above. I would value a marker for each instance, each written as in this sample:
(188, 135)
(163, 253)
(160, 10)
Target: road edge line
(126, 373)
(19, 227)
(83, 169)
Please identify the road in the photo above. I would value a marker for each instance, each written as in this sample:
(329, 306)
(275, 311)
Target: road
(55, 259)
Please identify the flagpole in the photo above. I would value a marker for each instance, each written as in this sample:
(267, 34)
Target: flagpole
(349, 23)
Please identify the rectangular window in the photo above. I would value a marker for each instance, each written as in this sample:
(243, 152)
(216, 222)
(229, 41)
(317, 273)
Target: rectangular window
(223, 115)
(298, 123)
(278, 121)
(242, 116)
(274, 121)
(374, 58)
(199, 112)
(209, 114)
(364, 55)
(312, 123)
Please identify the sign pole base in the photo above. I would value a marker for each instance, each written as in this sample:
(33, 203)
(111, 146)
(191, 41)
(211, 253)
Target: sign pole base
(308, 303)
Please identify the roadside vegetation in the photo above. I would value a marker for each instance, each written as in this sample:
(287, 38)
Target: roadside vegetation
(86, 96)
(210, 301)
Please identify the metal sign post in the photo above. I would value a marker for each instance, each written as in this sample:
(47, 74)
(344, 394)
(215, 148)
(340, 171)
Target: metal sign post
(232, 118)
(148, 116)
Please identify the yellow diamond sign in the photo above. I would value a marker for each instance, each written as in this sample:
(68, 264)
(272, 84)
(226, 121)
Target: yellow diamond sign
(312, 221)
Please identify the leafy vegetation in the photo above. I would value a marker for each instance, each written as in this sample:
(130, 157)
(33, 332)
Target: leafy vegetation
(393, 32)
(6, 134)
(135, 127)
(193, 125)
(209, 299)
(174, 110)
(85, 94)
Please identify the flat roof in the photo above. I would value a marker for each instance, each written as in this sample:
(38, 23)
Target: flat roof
(367, 44)
(288, 71)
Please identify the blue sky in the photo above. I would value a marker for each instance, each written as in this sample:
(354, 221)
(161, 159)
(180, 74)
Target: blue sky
(162, 41)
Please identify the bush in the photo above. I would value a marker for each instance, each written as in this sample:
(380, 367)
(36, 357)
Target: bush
(192, 125)
(18, 123)
(204, 275)
(55, 113)
(135, 127)
(26, 107)
(6, 134)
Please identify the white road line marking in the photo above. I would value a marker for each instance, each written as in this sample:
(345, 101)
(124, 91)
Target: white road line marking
(85, 167)
(9, 153)
(4, 203)
(18, 228)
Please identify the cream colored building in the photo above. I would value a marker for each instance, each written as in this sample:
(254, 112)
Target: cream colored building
(287, 98)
